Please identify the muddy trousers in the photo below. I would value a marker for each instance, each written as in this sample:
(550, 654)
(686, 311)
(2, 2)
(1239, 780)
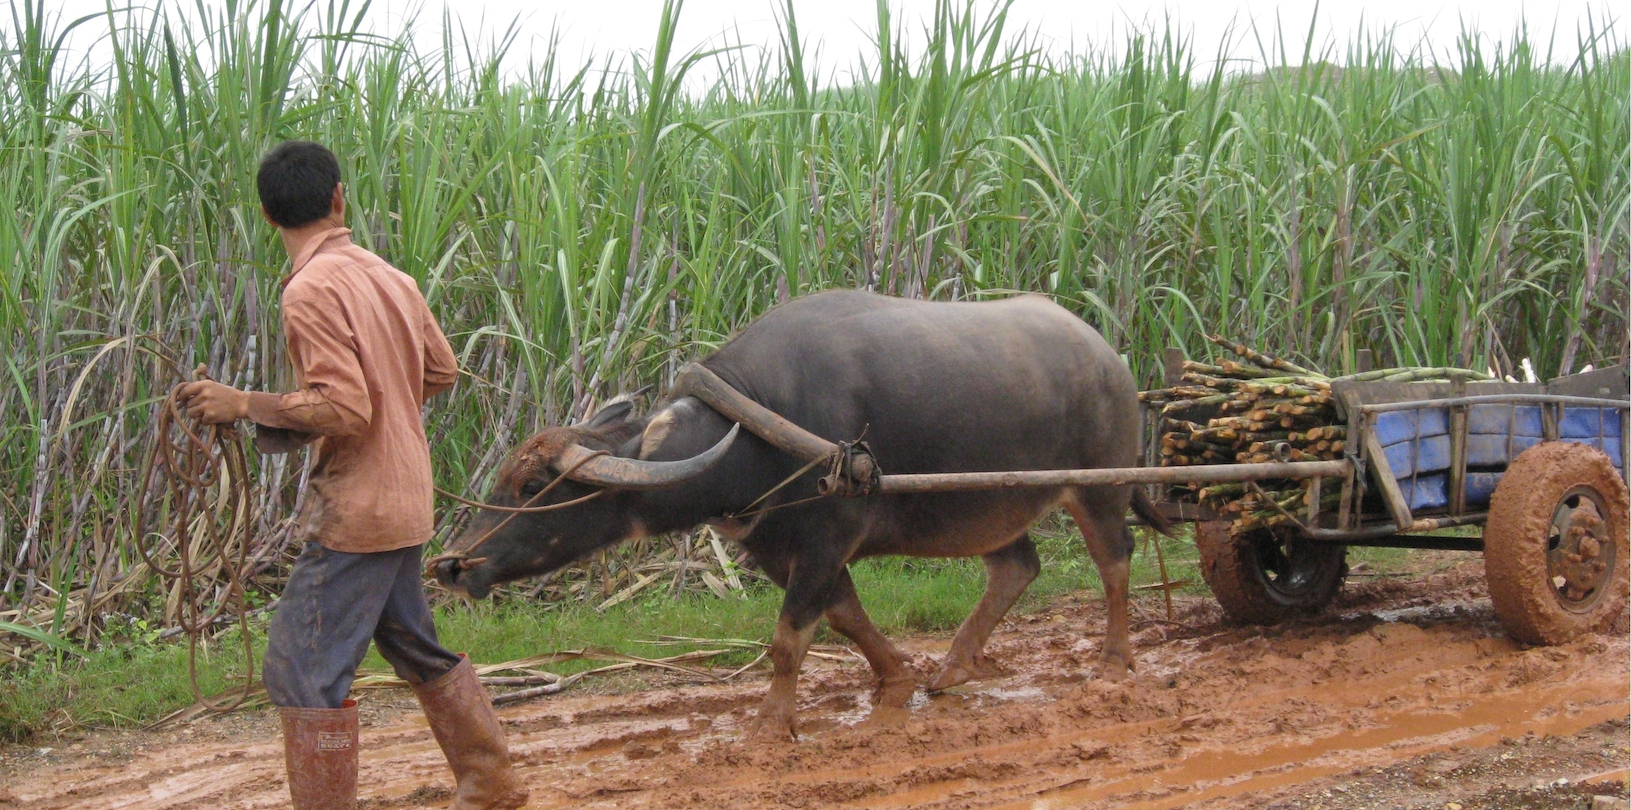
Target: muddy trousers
(335, 604)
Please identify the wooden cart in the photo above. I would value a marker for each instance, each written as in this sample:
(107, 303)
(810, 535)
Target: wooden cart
(1531, 474)
(1540, 467)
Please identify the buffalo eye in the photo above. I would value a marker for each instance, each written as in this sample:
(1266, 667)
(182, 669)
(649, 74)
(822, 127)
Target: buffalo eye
(531, 488)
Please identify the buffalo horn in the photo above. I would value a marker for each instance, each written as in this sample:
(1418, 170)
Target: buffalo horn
(616, 472)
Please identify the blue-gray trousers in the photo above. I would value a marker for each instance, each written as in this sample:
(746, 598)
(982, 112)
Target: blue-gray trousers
(334, 604)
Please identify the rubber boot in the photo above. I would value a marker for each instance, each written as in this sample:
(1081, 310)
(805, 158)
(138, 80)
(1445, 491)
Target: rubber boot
(320, 752)
(466, 727)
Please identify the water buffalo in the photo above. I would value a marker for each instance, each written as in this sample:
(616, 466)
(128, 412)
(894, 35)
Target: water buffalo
(1017, 384)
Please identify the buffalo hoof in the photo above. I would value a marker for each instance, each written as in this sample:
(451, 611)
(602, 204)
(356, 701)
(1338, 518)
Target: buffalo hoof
(950, 675)
(886, 717)
(894, 692)
(773, 726)
(1115, 666)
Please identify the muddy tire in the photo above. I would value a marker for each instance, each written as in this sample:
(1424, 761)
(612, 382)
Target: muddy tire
(1556, 544)
(1267, 576)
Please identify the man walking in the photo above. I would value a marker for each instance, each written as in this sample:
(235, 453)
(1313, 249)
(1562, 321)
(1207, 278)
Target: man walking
(367, 354)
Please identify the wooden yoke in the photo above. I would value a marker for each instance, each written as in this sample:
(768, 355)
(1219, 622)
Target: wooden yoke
(696, 380)
(851, 470)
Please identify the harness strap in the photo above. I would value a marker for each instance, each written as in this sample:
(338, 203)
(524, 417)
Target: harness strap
(517, 510)
(462, 556)
(748, 510)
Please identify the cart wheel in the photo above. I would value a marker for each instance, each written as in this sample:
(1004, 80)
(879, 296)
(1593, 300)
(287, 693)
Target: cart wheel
(1266, 576)
(1555, 546)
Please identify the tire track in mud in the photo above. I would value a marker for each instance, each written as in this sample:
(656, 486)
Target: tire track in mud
(1215, 716)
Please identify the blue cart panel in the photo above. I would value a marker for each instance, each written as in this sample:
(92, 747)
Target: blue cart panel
(1419, 453)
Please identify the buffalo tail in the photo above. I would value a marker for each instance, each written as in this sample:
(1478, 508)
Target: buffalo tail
(1146, 511)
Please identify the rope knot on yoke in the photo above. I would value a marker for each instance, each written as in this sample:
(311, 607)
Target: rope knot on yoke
(852, 472)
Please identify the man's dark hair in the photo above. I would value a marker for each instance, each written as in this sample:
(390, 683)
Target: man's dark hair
(296, 182)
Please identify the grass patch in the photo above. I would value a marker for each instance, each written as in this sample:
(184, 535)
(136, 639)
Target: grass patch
(132, 684)
(903, 595)
(122, 686)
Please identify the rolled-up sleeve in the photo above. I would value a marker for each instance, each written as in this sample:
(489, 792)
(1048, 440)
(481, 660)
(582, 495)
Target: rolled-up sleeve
(441, 367)
(334, 400)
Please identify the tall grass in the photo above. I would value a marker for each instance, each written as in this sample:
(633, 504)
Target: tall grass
(583, 230)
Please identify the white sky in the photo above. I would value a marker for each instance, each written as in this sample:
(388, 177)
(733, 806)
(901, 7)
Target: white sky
(845, 27)
(842, 29)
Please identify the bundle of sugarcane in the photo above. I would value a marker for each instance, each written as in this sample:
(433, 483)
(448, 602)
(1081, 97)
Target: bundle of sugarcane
(1267, 409)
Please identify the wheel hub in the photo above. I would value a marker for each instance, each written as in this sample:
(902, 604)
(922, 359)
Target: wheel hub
(1289, 565)
(1579, 552)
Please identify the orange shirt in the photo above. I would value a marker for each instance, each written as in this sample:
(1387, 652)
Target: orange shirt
(367, 354)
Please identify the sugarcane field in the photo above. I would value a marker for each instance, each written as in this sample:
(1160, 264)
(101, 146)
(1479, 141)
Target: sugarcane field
(763, 403)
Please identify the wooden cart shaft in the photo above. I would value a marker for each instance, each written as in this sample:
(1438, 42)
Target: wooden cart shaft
(1113, 476)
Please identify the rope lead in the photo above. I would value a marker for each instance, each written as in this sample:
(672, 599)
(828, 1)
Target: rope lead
(209, 536)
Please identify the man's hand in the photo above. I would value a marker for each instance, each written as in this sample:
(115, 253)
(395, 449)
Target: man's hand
(212, 403)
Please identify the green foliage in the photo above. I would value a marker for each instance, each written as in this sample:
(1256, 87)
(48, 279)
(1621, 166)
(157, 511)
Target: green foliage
(136, 679)
(139, 680)
(41, 637)
(122, 685)
(581, 231)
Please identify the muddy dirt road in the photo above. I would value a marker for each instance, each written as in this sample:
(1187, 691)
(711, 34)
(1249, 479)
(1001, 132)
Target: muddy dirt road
(1405, 695)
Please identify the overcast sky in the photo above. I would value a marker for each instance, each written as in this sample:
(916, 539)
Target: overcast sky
(843, 28)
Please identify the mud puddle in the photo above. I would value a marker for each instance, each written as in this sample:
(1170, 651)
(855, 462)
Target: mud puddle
(1406, 694)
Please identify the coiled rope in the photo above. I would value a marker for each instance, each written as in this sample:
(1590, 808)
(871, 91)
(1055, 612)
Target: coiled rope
(206, 472)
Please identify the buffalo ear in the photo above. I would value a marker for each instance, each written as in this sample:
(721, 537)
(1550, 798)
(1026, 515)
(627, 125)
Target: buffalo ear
(612, 414)
(657, 430)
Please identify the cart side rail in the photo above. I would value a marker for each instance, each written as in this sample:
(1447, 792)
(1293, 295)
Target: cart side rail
(1446, 453)
(1540, 399)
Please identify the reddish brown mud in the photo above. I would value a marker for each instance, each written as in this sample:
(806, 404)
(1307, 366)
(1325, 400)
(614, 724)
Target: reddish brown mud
(1407, 694)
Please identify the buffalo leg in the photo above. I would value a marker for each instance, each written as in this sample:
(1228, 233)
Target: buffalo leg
(811, 576)
(1105, 533)
(787, 648)
(895, 681)
(1008, 572)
